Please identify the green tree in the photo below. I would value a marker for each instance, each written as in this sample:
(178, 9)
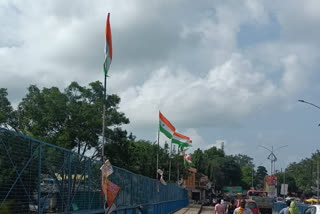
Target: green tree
(71, 119)
(248, 175)
(7, 115)
(243, 160)
(232, 171)
(197, 159)
(292, 187)
(220, 168)
(261, 174)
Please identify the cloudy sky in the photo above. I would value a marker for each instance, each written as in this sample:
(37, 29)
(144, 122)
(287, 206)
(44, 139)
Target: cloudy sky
(220, 70)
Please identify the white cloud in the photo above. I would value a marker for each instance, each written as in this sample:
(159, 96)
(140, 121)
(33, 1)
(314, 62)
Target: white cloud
(180, 57)
(228, 92)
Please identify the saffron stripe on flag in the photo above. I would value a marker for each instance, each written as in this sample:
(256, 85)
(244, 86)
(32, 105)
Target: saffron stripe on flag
(108, 48)
(166, 121)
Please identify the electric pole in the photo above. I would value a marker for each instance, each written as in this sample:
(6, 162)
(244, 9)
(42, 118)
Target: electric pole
(318, 181)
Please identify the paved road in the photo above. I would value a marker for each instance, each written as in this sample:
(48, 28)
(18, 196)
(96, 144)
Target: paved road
(207, 210)
(194, 209)
(191, 209)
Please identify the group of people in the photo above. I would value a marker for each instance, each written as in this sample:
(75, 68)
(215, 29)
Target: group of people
(232, 209)
(292, 208)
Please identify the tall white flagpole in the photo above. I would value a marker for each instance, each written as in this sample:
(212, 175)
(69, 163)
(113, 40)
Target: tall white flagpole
(158, 151)
(104, 116)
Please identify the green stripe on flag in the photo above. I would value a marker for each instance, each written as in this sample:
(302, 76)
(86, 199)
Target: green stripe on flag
(180, 143)
(176, 141)
(165, 132)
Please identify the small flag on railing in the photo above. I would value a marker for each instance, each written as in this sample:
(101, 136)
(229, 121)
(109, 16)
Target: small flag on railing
(160, 172)
(112, 192)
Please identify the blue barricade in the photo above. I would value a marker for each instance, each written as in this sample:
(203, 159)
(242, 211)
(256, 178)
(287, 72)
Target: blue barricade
(278, 206)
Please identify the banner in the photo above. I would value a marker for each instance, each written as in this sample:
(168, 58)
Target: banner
(112, 192)
(106, 168)
(270, 185)
(271, 180)
(160, 172)
(109, 189)
(284, 189)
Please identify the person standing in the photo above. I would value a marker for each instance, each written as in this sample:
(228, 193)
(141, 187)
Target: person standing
(293, 209)
(286, 209)
(242, 209)
(219, 208)
(231, 207)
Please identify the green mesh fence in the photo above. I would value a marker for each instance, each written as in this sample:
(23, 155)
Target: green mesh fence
(37, 177)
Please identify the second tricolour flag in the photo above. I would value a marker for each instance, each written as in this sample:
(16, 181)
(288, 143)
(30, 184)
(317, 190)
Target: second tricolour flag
(108, 48)
(181, 140)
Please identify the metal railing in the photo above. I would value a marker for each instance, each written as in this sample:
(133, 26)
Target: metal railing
(37, 177)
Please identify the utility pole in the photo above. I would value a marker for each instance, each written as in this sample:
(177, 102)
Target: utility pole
(252, 177)
(272, 158)
(314, 105)
(178, 166)
(318, 181)
(284, 181)
(170, 161)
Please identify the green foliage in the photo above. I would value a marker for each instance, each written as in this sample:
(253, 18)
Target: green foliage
(303, 173)
(243, 160)
(292, 187)
(260, 175)
(71, 119)
(7, 115)
(221, 169)
(247, 176)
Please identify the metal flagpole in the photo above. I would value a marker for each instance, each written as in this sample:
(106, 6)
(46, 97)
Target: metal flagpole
(318, 181)
(252, 177)
(158, 153)
(104, 116)
(178, 165)
(284, 181)
(170, 162)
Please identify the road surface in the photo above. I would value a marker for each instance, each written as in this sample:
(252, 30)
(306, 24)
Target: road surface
(194, 209)
(207, 210)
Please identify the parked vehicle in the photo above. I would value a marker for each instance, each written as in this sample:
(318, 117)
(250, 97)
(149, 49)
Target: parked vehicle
(264, 203)
(250, 204)
(313, 209)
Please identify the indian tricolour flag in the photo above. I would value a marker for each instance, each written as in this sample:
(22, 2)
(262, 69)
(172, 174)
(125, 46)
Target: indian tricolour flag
(108, 48)
(165, 126)
(187, 159)
(181, 140)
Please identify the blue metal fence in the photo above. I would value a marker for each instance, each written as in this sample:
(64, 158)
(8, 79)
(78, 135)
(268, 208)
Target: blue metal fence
(37, 177)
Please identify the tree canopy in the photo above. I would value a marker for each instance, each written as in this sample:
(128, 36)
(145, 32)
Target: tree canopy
(72, 118)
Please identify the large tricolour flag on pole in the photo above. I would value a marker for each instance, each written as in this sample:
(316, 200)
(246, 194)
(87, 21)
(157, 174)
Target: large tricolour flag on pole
(108, 50)
(181, 140)
(165, 126)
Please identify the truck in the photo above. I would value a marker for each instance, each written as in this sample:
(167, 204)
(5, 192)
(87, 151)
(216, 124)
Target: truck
(264, 203)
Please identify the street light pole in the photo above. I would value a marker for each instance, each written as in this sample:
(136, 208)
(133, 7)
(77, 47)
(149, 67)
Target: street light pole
(272, 157)
(252, 177)
(303, 101)
(317, 181)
